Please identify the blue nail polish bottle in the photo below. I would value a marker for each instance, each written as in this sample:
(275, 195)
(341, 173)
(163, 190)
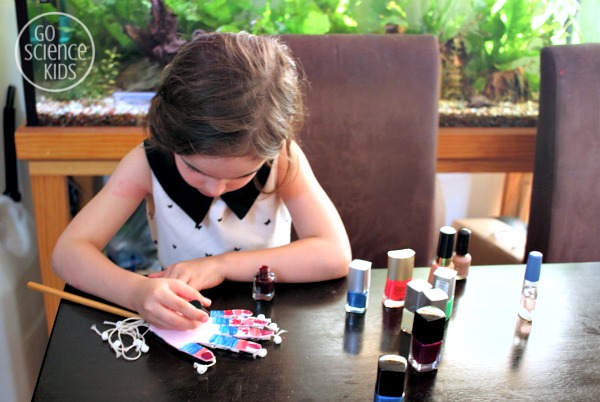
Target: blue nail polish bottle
(530, 285)
(389, 386)
(359, 280)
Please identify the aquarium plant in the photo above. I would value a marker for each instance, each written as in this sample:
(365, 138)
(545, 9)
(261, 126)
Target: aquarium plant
(488, 48)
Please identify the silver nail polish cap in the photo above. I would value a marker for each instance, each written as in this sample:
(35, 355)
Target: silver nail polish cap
(445, 279)
(359, 277)
(414, 294)
(435, 297)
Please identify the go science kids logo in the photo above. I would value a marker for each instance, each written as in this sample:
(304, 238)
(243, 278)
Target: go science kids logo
(61, 59)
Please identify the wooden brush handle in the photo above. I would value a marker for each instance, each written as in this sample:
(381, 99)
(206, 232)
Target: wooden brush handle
(81, 300)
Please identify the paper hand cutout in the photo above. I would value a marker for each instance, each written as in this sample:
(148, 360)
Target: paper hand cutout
(231, 330)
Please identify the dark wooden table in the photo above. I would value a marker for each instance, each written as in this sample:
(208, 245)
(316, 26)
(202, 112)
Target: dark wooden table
(488, 352)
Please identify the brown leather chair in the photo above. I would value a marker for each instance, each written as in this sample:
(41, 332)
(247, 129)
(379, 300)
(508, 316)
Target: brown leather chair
(371, 135)
(564, 220)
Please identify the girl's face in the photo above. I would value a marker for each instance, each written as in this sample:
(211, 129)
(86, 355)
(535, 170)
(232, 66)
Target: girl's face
(213, 176)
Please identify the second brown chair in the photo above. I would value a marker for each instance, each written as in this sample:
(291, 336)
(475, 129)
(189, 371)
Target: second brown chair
(371, 135)
(565, 199)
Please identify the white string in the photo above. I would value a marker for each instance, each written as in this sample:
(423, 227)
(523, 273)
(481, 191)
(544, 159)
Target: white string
(130, 329)
(201, 368)
(125, 338)
(277, 337)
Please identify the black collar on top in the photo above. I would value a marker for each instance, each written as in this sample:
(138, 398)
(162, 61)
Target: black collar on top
(193, 202)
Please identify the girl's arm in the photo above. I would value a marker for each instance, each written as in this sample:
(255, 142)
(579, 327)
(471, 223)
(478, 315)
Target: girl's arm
(321, 252)
(78, 259)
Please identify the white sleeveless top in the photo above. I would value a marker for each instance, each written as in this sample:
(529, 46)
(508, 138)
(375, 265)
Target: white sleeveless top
(185, 224)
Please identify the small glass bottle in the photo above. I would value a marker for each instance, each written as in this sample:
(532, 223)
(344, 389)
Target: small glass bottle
(359, 280)
(400, 271)
(462, 258)
(264, 284)
(389, 385)
(444, 251)
(530, 285)
(427, 337)
(445, 279)
(413, 301)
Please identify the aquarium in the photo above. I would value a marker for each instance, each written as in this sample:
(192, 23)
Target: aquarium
(92, 62)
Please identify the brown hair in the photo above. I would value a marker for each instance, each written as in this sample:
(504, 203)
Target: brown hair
(228, 94)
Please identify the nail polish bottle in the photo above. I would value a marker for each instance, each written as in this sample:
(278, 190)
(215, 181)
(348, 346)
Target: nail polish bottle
(530, 285)
(445, 279)
(400, 270)
(263, 287)
(435, 297)
(427, 338)
(444, 250)
(461, 258)
(359, 280)
(389, 386)
(413, 301)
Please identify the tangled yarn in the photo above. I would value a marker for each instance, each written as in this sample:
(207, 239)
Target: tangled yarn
(126, 338)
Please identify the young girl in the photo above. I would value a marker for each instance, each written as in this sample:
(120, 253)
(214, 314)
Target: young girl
(223, 178)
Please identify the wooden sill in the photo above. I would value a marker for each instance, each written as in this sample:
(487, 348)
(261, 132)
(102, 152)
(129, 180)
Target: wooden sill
(469, 149)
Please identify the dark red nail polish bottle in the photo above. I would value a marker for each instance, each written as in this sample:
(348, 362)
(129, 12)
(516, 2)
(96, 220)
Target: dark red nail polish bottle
(264, 284)
(427, 337)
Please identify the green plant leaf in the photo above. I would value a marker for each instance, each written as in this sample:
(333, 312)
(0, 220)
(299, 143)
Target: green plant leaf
(316, 22)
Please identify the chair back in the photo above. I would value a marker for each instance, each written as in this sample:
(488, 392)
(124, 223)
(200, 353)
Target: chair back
(565, 201)
(371, 135)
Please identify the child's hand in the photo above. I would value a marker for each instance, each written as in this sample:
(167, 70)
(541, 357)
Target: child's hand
(165, 303)
(202, 273)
